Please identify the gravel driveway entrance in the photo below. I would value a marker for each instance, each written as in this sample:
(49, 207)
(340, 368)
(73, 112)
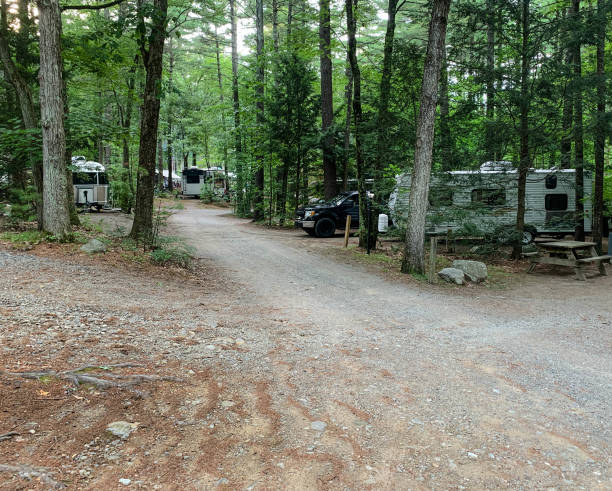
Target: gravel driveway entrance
(302, 371)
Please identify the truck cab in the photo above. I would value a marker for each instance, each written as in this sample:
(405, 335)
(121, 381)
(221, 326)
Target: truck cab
(322, 219)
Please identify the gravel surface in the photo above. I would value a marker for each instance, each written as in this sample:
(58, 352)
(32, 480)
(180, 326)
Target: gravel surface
(304, 370)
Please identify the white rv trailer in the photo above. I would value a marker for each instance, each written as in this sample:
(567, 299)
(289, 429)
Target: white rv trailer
(193, 179)
(213, 180)
(487, 199)
(90, 183)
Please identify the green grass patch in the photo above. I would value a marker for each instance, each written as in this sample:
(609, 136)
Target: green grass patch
(25, 238)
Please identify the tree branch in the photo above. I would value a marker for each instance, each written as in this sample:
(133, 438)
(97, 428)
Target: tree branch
(92, 7)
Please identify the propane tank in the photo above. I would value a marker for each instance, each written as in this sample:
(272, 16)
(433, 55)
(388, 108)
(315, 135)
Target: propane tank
(383, 223)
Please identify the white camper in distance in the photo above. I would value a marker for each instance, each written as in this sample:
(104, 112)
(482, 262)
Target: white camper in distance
(487, 199)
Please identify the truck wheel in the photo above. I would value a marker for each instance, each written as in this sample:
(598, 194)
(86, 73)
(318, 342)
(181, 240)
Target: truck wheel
(325, 227)
(309, 231)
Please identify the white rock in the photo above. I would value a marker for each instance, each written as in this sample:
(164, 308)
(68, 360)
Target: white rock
(121, 428)
(318, 425)
(125, 482)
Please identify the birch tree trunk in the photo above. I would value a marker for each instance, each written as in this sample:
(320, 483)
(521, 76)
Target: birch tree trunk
(56, 216)
(414, 253)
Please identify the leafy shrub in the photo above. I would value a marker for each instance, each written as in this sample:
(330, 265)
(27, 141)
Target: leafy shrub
(173, 251)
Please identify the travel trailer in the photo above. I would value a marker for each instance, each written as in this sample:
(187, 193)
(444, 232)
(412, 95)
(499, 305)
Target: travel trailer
(487, 199)
(197, 181)
(90, 183)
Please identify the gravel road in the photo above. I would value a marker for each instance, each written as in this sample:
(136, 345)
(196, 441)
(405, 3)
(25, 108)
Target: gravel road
(305, 370)
(507, 389)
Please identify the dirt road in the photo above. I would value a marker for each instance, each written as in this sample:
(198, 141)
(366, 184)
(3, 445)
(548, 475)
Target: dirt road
(426, 387)
(303, 370)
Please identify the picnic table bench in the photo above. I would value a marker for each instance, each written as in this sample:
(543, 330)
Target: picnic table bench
(569, 253)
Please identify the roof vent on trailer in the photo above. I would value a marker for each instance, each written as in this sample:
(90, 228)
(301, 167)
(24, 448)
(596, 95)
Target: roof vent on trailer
(497, 166)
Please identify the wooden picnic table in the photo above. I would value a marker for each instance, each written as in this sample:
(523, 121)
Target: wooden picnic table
(571, 253)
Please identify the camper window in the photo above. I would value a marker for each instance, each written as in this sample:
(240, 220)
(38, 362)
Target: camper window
(193, 178)
(83, 178)
(440, 197)
(551, 181)
(493, 197)
(555, 202)
(102, 179)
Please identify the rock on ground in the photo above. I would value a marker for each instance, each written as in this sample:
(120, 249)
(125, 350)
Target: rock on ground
(93, 246)
(475, 271)
(452, 275)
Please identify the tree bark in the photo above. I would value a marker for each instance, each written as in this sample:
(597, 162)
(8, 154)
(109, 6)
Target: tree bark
(160, 164)
(170, 116)
(568, 101)
(351, 22)
(491, 138)
(525, 162)
(600, 125)
(258, 201)
(382, 140)
(414, 253)
(578, 131)
(56, 216)
(445, 134)
(348, 95)
(327, 99)
(222, 103)
(152, 56)
(241, 204)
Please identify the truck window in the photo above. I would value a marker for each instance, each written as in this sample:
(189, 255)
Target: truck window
(492, 197)
(555, 202)
(440, 197)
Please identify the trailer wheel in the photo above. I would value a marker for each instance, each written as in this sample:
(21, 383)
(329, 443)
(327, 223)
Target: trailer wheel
(529, 234)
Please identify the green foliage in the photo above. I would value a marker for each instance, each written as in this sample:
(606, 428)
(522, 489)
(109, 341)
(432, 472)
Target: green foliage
(22, 205)
(172, 250)
(25, 238)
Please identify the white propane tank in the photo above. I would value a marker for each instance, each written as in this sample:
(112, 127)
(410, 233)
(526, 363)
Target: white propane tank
(383, 223)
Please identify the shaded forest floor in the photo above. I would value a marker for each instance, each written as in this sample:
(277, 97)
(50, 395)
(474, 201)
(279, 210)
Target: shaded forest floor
(301, 366)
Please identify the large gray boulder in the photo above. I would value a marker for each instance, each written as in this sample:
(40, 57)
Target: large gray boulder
(452, 275)
(474, 271)
(93, 246)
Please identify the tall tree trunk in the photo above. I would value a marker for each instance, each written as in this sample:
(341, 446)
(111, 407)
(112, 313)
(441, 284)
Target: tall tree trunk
(348, 95)
(414, 254)
(222, 103)
(258, 201)
(327, 99)
(600, 125)
(56, 216)
(446, 152)
(351, 7)
(491, 145)
(578, 131)
(142, 227)
(240, 196)
(26, 104)
(170, 116)
(525, 162)
(160, 164)
(382, 133)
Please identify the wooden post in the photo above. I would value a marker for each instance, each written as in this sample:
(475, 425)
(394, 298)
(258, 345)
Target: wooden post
(433, 242)
(347, 230)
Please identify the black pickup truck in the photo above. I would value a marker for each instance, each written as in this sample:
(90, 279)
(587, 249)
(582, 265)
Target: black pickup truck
(322, 219)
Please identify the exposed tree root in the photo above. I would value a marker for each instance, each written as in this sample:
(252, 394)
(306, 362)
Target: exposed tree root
(8, 436)
(88, 374)
(27, 472)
